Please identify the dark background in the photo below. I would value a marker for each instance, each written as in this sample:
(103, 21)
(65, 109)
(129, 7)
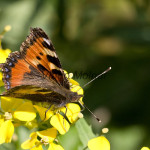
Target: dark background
(89, 36)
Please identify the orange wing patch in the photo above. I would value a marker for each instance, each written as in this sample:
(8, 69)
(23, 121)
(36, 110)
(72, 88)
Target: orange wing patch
(14, 70)
(39, 52)
(17, 73)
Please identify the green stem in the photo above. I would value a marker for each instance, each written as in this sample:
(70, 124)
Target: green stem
(84, 131)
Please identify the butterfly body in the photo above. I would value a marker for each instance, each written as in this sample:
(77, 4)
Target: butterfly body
(35, 73)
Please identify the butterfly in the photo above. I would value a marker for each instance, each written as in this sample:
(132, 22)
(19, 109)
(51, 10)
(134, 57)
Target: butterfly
(35, 73)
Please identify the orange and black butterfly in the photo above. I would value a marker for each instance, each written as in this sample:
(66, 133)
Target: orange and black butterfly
(35, 73)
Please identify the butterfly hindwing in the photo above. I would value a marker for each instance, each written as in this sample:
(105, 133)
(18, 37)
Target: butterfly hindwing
(13, 70)
(36, 94)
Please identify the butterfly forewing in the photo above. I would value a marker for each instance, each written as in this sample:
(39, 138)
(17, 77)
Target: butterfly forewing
(39, 51)
(36, 51)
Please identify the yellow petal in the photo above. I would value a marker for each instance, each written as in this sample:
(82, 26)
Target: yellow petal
(4, 54)
(79, 90)
(1, 82)
(145, 148)
(99, 143)
(76, 88)
(8, 103)
(54, 146)
(25, 112)
(73, 82)
(66, 73)
(31, 142)
(6, 132)
(73, 111)
(59, 123)
(38, 147)
(49, 134)
(41, 111)
(1, 121)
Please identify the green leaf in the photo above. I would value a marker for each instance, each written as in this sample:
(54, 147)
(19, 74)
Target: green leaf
(85, 132)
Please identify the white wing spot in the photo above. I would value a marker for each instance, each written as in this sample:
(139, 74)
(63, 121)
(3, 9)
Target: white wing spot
(47, 41)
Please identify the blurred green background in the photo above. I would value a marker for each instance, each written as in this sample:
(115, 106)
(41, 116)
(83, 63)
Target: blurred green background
(89, 36)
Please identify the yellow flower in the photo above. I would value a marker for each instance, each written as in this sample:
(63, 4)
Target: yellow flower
(46, 137)
(73, 111)
(60, 123)
(33, 142)
(6, 130)
(54, 146)
(145, 148)
(75, 87)
(57, 120)
(23, 111)
(99, 143)
(42, 111)
(16, 113)
(4, 54)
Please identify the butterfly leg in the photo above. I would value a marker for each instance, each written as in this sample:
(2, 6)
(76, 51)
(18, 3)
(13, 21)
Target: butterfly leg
(64, 118)
(82, 105)
(47, 111)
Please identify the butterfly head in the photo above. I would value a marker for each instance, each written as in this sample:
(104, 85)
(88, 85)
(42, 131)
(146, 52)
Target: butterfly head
(73, 97)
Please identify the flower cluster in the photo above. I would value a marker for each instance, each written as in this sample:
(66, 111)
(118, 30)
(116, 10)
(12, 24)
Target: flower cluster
(18, 112)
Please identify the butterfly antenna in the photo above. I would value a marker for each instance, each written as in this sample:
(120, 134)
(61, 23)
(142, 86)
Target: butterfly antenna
(96, 77)
(84, 106)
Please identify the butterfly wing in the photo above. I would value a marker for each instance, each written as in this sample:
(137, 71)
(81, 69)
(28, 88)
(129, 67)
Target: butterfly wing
(35, 63)
(36, 95)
